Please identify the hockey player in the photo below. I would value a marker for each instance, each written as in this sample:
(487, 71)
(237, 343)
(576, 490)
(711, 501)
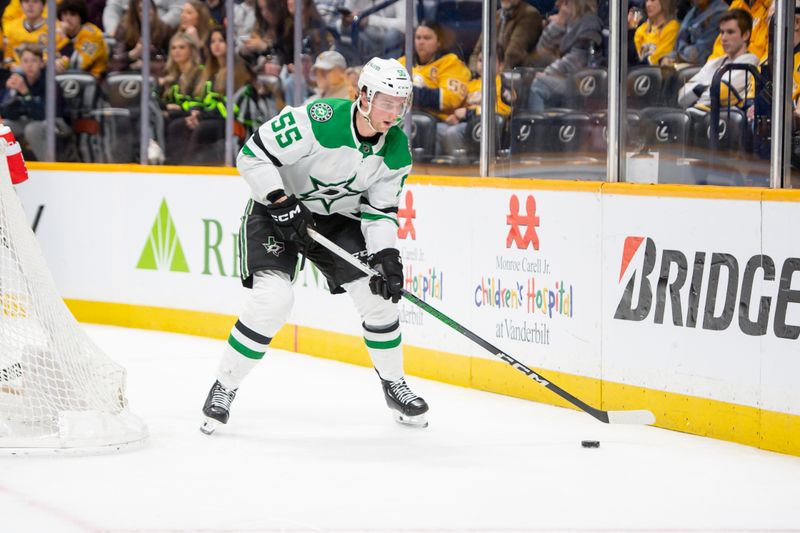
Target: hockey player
(337, 166)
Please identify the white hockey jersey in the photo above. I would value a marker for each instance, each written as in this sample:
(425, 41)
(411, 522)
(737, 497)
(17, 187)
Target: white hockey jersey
(313, 152)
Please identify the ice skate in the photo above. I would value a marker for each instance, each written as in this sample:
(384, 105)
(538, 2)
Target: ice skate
(408, 408)
(217, 407)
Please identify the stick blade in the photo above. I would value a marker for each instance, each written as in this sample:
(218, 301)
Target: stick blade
(641, 417)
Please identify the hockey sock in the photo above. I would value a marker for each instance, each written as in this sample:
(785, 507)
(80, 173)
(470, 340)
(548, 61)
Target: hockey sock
(384, 347)
(244, 350)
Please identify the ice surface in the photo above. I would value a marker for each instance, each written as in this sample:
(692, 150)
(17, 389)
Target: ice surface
(311, 446)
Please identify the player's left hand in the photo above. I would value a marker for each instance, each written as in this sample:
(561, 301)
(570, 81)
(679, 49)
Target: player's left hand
(389, 285)
(292, 220)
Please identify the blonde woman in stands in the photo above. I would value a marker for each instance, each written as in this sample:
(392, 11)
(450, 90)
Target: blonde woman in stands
(656, 37)
(180, 89)
(196, 20)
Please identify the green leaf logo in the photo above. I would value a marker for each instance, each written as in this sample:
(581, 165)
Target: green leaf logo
(163, 248)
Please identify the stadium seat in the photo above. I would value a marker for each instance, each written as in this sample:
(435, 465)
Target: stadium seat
(644, 87)
(80, 93)
(521, 79)
(598, 132)
(665, 127)
(423, 136)
(730, 130)
(474, 134)
(589, 89)
(675, 82)
(118, 140)
(124, 89)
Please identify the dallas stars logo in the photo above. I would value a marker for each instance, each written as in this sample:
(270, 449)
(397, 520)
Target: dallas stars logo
(328, 193)
(273, 246)
(321, 112)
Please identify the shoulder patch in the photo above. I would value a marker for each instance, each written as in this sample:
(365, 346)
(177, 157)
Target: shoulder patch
(321, 112)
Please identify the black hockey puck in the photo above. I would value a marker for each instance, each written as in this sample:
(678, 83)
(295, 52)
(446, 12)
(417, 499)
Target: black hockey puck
(590, 443)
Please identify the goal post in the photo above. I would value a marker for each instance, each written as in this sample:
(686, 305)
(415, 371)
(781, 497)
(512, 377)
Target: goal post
(59, 393)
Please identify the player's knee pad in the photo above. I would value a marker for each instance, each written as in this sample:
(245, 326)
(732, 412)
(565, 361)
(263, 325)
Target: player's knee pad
(269, 303)
(374, 310)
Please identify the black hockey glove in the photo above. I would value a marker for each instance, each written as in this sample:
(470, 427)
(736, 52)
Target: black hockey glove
(389, 285)
(292, 219)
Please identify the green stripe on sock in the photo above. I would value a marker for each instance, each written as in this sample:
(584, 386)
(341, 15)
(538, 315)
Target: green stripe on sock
(244, 350)
(383, 345)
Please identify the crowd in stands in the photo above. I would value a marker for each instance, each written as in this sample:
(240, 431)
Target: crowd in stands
(543, 49)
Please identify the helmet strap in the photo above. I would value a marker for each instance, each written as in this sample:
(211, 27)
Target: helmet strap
(365, 115)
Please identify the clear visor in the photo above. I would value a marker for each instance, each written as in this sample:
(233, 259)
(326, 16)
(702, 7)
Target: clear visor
(397, 105)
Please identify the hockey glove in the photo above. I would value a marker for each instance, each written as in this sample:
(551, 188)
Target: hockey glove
(389, 285)
(292, 220)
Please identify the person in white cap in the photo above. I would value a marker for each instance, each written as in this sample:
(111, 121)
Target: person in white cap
(339, 167)
(329, 72)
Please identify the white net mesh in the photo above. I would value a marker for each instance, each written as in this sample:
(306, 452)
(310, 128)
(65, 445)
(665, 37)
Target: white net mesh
(58, 391)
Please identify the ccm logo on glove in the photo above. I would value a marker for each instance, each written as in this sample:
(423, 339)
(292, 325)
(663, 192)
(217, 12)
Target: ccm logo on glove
(389, 285)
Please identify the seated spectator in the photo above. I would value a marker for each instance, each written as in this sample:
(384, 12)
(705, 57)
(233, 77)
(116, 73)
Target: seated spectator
(655, 38)
(180, 89)
(23, 108)
(519, 26)
(31, 28)
(440, 79)
(202, 130)
(84, 47)
(568, 37)
(316, 39)
(244, 19)
(698, 31)
(329, 72)
(452, 134)
(382, 33)
(169, 12)
(269, 40)
(734, 27)
(196, 20)
(127, 53)
(216, 9)
(352, 74)
(759, 40)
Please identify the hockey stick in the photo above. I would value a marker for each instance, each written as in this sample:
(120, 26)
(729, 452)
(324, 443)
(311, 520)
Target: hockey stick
(642, 416)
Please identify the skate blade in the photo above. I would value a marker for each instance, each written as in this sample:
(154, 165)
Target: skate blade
(209, 425)
(419, 421)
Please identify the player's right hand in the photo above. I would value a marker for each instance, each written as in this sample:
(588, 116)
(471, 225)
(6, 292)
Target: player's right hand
(292, 220)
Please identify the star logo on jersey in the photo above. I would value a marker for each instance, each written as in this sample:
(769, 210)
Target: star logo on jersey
(274, 246)
(328, 193)
(321, 112)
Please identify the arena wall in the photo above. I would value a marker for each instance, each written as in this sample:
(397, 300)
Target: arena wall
(683, 300)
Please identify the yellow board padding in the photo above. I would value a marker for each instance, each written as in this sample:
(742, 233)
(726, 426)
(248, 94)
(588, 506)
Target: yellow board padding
(779, 432)
(533, 184)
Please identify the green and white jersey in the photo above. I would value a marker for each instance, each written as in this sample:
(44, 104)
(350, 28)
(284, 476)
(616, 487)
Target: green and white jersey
(313, 152)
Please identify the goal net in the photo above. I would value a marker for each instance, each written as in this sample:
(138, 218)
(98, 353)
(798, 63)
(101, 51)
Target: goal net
(58, 391)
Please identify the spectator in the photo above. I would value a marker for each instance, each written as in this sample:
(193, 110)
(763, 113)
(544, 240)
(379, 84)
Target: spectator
(382, 33)
(519, 26)
(23, 109)
(656, 37)
(331, 11)
(84, 47)
(128, 49)
(268, 40)
(203, 127)
(329, 72)
(696, 36)
(440, 79)
(244, 19)
(452, 133)
(216, 9)
(567, 38)
(169, 11)
(316, 39)
(31, 28)
(352, 74)
(759, 40)
(196, 20)
(180, 89)
(734, 27)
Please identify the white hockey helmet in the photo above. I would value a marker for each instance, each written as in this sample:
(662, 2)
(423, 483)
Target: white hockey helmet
(387, 76)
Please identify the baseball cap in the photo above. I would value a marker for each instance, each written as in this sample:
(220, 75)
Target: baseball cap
(330, 59)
